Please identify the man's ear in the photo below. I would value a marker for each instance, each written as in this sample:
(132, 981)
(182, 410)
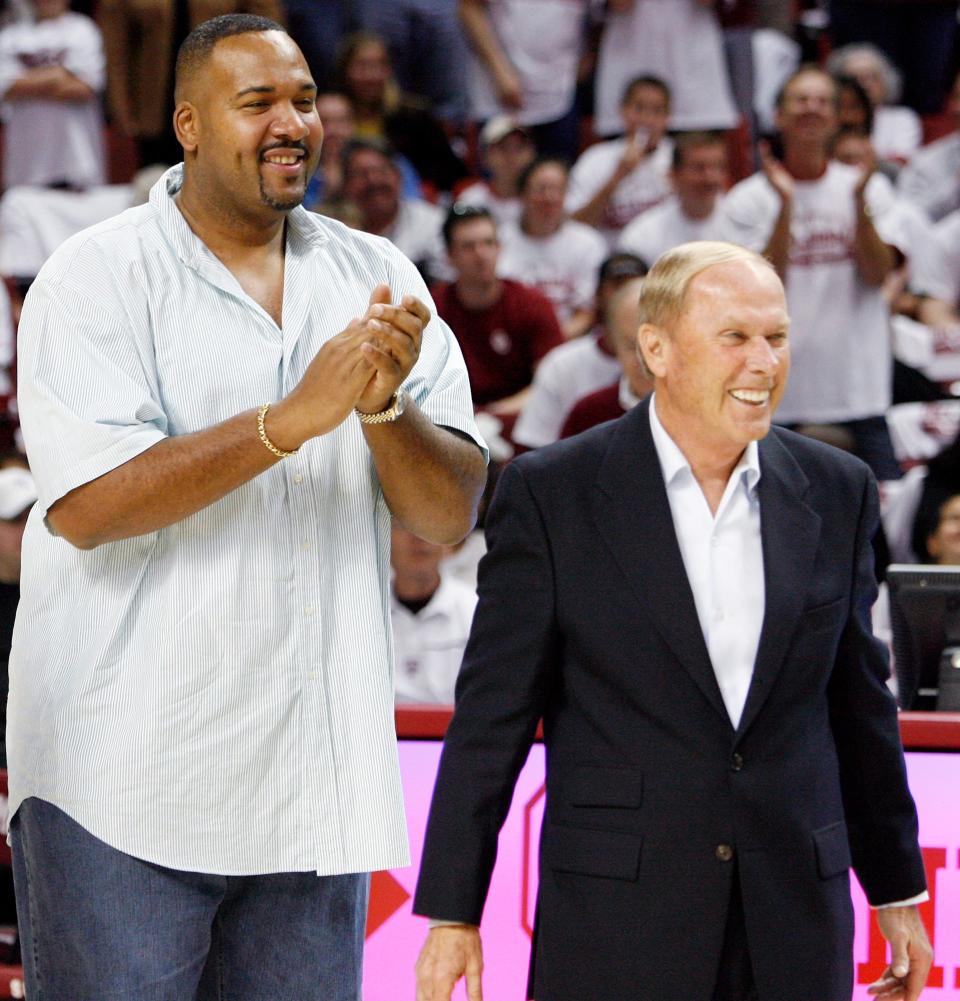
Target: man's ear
(186, 126)
(652, 343)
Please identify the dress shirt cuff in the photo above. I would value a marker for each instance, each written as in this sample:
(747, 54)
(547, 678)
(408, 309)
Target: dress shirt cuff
(444, 923)
(920, 898)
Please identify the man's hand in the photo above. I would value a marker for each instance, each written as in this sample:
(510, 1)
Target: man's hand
(633, 154)
(866, 172)
(449, 953)
(393, 348)
(911, 954)
(361, 367)
(778, 175)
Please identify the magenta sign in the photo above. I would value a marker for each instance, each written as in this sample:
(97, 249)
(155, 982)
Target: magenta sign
(395, 934)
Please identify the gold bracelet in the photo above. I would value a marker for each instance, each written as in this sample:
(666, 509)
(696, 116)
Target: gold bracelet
(262, 431)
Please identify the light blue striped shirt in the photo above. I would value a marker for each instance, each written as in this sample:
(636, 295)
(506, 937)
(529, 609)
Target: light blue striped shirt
(216, 696)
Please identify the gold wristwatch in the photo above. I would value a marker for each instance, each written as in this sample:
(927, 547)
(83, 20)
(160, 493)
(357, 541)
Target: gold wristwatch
(393, 411)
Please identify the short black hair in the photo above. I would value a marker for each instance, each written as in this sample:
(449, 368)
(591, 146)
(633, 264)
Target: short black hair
(853, 86)
(683, 142)
(646, 80)
(197, 46)
(459, 214)
(370, 143)
(620, 265)
(541, 161)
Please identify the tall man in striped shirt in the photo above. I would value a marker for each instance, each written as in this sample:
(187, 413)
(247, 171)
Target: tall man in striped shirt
(224, 399)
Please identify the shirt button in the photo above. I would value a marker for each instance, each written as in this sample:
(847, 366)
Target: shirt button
(736, 762)
(308, 610)
(724, 853)
(304, 545)
(297, 478)
(311, 675)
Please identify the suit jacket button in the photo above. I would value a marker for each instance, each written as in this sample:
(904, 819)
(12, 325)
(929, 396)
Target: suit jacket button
(724, 853)
(736, 762)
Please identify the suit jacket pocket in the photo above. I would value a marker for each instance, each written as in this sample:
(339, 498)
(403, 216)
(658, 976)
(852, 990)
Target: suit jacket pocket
(599, 786)
(592, 853)
(833, 849)
(832, 612)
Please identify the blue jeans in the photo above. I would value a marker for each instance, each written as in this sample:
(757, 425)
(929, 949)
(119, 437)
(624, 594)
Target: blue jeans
(96, 924)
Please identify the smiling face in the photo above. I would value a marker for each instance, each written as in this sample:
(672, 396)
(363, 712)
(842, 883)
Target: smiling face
(372, 182)
(248, 123)
(720, 367)
(543, 198)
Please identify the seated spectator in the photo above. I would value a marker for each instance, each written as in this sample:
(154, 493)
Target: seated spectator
(851, 143)
(431, 613)
(578, 367)
(897, 131)
(614, 181)
(939, 283)
(680, 42)
(555, 254)
(503, 327)
(833, 234)
(942, 543)
(932, 177)
(699, 176)
(507, 151)
(52, 72)
(325, 192)
(522, 60)
(382, 112)
(371, 182)
(615, 400)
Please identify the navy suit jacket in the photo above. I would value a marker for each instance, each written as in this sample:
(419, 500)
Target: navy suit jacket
(654, 801)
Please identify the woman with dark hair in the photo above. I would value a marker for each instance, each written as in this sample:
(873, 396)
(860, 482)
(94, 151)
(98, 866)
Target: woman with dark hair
(383, 111)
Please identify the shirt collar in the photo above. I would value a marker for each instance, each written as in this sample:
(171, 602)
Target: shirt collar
(302, 226)
(673, 461)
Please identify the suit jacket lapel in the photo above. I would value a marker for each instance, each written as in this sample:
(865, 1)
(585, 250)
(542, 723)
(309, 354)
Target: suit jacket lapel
(790, 531)
(632, 514)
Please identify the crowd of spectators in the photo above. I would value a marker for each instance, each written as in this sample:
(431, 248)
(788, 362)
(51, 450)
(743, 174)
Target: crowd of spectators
(533, 158)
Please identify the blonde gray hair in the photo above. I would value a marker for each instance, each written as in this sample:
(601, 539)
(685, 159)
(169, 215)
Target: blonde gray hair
(665, 286)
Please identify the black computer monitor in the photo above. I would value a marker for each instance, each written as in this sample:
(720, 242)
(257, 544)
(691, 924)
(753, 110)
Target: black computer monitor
(925, 617)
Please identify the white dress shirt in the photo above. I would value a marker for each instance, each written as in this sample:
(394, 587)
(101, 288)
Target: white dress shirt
(723, 557)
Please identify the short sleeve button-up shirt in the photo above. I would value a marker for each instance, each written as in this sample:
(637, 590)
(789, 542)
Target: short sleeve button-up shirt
(217, 695)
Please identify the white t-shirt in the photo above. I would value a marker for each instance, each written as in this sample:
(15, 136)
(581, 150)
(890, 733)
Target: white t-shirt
(563, 266)
(932, 177)
(664, 227)
(428, 646)
(677, 40)
(543, 40)
(567, 374)
(839, 326)
(940, 277)
(897, 132)
(418, 232)
(645, 186)
(35, 221)
(482, 195)
(49, 141)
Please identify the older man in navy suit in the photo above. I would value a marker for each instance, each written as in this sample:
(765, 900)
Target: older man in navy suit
(683, 597)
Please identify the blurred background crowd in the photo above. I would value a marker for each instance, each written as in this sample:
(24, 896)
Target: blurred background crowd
(534, 158)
